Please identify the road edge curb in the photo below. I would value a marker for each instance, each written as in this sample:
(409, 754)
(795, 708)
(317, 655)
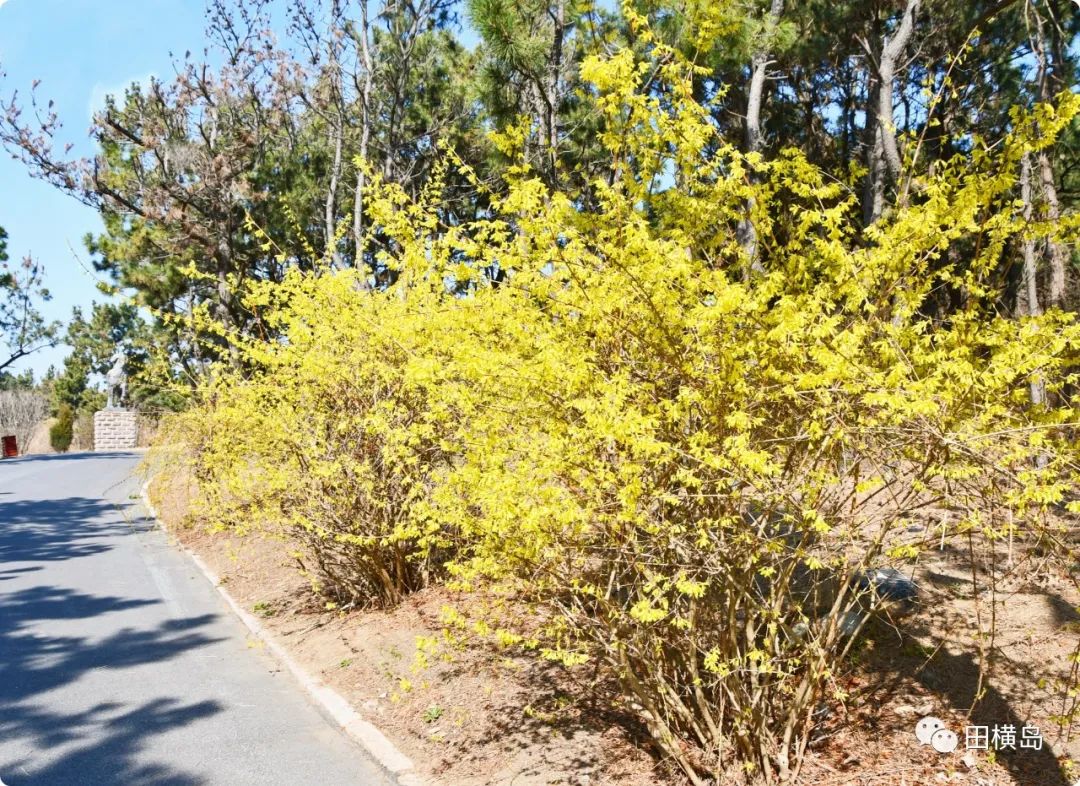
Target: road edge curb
(365, 734)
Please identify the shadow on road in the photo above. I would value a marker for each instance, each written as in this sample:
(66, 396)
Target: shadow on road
(58, 745)
(56, 529)
(37, 457)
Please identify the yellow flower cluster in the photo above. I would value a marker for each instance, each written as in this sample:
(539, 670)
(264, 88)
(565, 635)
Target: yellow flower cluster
(683, 461)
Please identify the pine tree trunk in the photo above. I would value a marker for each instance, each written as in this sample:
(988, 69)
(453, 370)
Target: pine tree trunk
(1029, 306)
(337, 133)
(745, 231)
(882, 151)
(365, 86)
(1058, 254)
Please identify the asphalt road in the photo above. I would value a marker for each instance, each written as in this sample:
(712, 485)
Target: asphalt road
(119, 662)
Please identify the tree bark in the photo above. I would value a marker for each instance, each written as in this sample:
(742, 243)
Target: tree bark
(554, 74)
(1027, 299)
(883, 153)
(758, 72)
(223, 297)
(331, 190)
(1057, 254)
(365, 87)
(337, 131)
(746, 232)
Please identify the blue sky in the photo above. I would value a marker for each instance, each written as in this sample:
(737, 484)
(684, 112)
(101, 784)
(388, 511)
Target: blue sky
(81, 50)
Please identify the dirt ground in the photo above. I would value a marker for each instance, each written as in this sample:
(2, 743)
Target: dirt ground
(480, 718)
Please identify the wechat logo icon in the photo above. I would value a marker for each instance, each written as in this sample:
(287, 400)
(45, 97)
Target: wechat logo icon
(931, 731)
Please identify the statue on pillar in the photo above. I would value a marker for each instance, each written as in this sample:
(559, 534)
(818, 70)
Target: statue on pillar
(116, 380)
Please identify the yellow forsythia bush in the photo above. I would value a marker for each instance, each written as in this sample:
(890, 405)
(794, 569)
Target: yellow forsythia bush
(684, 465)
(326, 440)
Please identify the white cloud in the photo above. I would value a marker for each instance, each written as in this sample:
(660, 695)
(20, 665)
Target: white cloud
(101, 89)
(2, 3)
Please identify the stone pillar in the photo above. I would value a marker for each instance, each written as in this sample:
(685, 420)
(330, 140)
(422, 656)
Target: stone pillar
(116, 429)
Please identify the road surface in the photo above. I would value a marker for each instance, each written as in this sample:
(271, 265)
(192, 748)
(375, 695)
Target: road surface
(119, 662)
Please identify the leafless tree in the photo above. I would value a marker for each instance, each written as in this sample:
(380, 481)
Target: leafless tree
(20, 413)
